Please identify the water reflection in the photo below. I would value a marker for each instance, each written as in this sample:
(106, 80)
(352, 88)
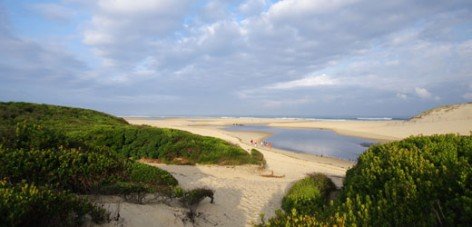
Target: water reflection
(313, 141)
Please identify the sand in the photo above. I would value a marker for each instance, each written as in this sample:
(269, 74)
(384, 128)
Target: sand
(241, 193)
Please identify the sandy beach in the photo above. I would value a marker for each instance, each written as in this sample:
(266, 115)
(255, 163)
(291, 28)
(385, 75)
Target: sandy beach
(242, 193)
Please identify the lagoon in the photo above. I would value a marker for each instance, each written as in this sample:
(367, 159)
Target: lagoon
(312, 141)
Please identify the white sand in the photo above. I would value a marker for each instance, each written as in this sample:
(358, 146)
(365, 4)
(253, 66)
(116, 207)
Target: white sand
(241, 193)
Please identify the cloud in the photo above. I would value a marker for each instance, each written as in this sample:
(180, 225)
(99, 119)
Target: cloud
(467, 96)
(252, 7)
(307, 82)
(246, 56)
(123, 33)
(423, 93)
(402, 96)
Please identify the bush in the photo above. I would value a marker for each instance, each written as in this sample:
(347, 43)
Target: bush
(150, 175)
(259, 157)
(33, 126)
(195, 196)
(28, 205)
(66, 169)
(309, 195)
(419, 181)
(168, 145)
(416, 181)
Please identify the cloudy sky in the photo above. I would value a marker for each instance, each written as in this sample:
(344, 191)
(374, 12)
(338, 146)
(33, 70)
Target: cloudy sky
(255, 57)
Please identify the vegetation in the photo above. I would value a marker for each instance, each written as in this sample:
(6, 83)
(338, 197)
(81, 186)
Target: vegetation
(308, 195)
(192, 198)
(258, 157)
(80, 128)
(419, 181)
(49, 155)
(29, 205)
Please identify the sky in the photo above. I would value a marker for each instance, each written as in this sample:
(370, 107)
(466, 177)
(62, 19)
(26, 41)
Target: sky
(238, 58)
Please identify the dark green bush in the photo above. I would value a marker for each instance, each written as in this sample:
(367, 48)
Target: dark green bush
(419, 181)
(416, 181)
(47, 126)
(195, 196)
(28, 205)
(259, 157)
(309, 195)
(66, 169)
(167, 145)
(150, 175)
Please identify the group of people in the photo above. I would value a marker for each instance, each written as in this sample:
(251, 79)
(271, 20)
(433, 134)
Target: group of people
(262, 143)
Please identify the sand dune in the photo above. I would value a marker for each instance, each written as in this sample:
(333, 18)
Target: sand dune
(242, 193)
(447, 119)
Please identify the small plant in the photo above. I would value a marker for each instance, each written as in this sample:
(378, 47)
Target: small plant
(192, 198)
(309, 195)
(195, 196)
(259, 158)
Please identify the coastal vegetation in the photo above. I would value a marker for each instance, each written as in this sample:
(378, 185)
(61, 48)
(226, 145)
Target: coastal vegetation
(419, 181)
(52, 156)
(308, 195)
(92, 129)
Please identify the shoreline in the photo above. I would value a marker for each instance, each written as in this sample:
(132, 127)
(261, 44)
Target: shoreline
(243, 192)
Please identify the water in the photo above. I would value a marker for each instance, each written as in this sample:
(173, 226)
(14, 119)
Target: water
(312, 141)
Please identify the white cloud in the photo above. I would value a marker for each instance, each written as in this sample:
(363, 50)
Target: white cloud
(467, 96)
(402, 96)
(252, 7)
(125, 32)
(423, 93)
(310, 81)
(260, 53)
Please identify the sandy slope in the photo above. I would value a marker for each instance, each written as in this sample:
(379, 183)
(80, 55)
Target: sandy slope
(447, 119)
(241, 193)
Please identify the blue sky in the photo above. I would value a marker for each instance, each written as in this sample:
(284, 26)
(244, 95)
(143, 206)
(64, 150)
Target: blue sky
(258, 57)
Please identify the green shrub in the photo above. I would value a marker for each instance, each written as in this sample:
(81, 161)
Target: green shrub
(195, 196)
(293, 218)
(150, 175)
(309, 195)
(258, 157)
(419, 181)
(167, 145)
(66, 169)
(28, 205)
(33, 126)
(416, 181)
